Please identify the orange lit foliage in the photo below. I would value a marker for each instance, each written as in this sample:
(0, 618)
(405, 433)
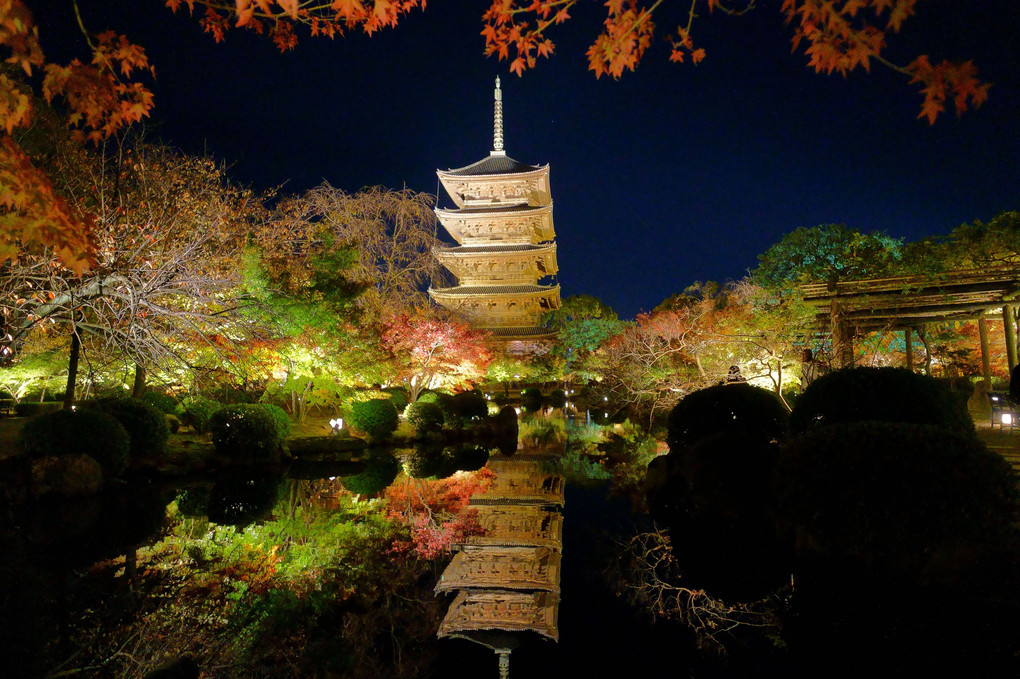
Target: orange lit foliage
(436, 511)
(101, 101)
(838, 35)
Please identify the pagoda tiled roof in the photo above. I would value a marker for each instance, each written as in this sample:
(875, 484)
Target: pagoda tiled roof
(536, 332)
(495, 209)
(493, 164)
(489, 248)
(468, 290)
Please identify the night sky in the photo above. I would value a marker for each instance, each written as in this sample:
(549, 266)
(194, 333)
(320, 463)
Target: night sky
(673, 174)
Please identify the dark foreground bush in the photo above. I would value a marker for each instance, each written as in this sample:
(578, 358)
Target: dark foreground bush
(464, 408)
(146, 426)
(906, 548)
(424, 417)
(33, 408)
(378, 418)
(718, 500)
(726, 408)
(163, 402)
(81, 432)
(245, 431)
(891, 493)
(880, 394)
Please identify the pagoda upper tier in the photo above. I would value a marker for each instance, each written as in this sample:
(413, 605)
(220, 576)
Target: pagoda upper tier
(497, 181)
(509, 224)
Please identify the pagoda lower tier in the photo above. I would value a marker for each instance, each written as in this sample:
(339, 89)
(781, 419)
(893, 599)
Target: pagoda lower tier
(507, 264)
(500, 306)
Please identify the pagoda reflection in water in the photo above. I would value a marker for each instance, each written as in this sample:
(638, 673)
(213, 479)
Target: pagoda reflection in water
(507, 580)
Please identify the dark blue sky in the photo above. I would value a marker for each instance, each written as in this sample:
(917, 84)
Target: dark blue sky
(674, 173)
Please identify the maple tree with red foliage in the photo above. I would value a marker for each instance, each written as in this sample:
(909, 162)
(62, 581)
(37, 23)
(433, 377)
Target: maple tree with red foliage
(428, 351)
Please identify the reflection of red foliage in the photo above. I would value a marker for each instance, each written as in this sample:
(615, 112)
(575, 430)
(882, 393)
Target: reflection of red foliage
(436, 511)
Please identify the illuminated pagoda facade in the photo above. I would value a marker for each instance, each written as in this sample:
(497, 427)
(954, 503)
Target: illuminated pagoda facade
(505, 257)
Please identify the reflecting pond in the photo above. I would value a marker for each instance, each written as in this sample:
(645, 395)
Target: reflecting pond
(464, 560)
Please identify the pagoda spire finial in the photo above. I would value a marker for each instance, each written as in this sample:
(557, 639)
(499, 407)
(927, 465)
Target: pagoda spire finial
(497, 123)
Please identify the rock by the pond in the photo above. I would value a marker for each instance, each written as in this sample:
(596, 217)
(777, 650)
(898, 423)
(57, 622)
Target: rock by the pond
(69, 475)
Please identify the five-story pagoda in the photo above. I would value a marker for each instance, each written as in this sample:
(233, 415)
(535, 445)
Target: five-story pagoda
(505, 260)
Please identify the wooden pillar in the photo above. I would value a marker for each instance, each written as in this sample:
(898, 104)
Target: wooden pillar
(1007, 322)
(910, 348)
(986, 361)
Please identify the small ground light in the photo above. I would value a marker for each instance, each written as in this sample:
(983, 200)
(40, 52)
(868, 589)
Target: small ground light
(336, 424)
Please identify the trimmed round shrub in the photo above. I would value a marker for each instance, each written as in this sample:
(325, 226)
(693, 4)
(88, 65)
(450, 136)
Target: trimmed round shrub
(429, 397)
(467, 406)
(377, 417)
(245, 431)
(78, 432)
(726, 408)
(883, 395)
(34, 408)
(532, 393)
(398, 397)
(197, 412)
(280, 418)
(163, 402)
(146, 426)
(424, 417)
(380, 471)
(719, 497)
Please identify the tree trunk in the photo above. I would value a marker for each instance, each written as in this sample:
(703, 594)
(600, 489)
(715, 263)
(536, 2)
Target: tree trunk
(72, 367)
(1007, 325)
(922, 333)
(909, 342)
(139, 388)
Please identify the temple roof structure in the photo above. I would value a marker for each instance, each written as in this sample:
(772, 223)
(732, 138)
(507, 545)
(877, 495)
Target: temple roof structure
(494, 163)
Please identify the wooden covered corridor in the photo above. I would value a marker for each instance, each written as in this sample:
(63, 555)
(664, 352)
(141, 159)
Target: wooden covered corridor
(850, 308)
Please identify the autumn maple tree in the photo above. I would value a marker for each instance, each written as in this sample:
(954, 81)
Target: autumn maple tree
(837, 36)
(100, 99)
(429, 351)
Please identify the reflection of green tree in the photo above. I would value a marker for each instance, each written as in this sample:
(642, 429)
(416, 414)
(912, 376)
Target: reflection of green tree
(297, 595)
(380, 470)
